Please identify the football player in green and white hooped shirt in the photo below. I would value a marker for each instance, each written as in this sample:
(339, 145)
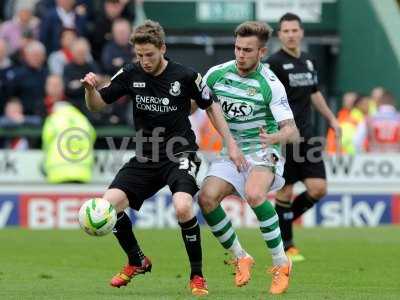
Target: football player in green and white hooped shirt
(257, 111)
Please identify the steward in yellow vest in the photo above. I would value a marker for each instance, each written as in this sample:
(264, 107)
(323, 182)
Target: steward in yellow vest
(68, 139)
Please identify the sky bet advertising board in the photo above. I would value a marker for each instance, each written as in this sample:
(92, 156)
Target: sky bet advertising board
(48, 211)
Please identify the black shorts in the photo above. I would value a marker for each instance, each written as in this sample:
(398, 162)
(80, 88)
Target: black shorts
(303, 161)
(141, 180)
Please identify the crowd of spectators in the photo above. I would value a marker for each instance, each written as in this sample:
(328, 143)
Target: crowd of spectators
(46, 47)
(369, 123)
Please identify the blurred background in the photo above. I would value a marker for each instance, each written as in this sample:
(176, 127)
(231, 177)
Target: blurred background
(46, 47)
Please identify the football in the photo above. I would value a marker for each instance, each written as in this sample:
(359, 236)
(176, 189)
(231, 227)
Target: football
(97, 217)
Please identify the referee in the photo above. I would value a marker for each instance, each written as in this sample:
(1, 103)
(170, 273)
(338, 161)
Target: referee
(296, 70)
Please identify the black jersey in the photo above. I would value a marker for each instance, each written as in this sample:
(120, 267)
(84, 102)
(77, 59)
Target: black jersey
(300, 79)
(161, 106)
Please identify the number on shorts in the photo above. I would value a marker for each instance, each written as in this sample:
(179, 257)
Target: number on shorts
(186, 164)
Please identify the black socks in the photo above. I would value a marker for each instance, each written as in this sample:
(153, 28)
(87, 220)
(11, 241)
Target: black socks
(126, 238)
(191, 237)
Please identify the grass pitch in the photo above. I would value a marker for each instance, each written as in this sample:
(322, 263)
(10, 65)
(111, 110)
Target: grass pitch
(344, 263)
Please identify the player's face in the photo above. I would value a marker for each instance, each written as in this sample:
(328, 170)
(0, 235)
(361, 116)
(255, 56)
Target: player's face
(248, 53)
(150, 57)
(291, 34)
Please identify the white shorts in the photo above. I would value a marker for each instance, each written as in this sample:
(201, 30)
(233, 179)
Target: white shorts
(225, 169)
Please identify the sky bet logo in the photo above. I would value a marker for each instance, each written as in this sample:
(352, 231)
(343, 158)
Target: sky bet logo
(353, 210)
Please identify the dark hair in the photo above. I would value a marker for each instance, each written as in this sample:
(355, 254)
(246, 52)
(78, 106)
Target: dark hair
(13, 100)
(149, 32)
(254, 28)
(290, 17)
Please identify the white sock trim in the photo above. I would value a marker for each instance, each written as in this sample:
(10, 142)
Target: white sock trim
(220, 225)
(278, 250)
(272, 235)
(226, 236)
(237, 250)
(269, 221)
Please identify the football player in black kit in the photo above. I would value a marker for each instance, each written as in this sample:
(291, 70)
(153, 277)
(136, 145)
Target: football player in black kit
(296, 70)
(161, 91)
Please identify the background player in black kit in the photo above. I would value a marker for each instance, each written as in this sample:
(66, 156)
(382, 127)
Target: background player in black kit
(296, 70)
(161, 91)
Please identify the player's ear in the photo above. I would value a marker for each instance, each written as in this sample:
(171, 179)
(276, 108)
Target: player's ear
(263, 52)
(163, 49)
(279, 34)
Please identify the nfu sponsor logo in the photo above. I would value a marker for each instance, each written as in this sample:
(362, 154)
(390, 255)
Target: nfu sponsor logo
(236, 110)
(355, 210)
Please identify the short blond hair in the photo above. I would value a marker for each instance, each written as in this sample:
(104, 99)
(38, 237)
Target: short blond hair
(150, 32)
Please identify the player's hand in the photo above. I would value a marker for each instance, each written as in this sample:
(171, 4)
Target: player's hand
(89, 81)
(237, 156)
(266, 139)
(334, 124)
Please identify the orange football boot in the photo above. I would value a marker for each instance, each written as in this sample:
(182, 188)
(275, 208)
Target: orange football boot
(129, 271)
(280, 278)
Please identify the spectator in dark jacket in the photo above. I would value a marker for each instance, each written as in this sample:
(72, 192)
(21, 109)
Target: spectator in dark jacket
(6, 74)
(118, 51)
(81, 65)
(83, 7)
(29, 79)
(14, 117)
(62, 16)
(112, 10)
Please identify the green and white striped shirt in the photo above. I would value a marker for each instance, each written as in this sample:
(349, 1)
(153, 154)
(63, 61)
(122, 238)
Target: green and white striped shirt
(257, 100)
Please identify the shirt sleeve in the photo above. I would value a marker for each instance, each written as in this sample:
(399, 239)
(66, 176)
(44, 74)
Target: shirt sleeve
(279, 104)
(200, 92)
(315, 87)
(116, 89)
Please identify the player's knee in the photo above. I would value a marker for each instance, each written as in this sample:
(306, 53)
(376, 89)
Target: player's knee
(117, 198)
(208, 200)
(254, 197)
(317, 191)
(183, 210)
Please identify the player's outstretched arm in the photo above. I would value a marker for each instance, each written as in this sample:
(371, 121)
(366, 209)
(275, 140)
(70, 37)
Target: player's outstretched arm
(216, 117)
(288, 133)
(94, 101)
(320, 104)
